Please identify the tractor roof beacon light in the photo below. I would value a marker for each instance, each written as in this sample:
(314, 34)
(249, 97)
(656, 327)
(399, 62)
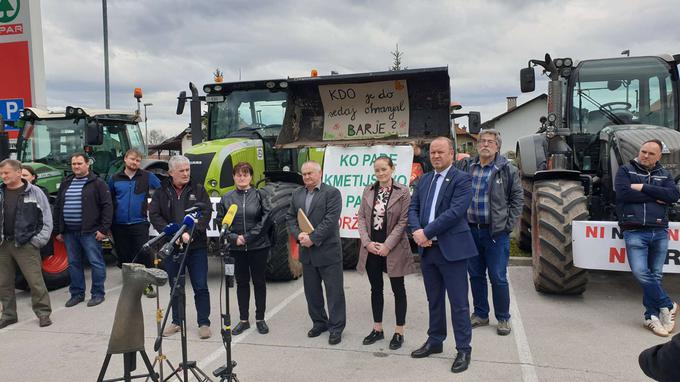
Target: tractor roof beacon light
(314, 73)
(138, 94)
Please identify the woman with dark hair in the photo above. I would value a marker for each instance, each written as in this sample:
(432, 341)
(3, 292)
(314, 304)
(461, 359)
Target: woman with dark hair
(28, 174)
(383, 216)
(248, 244)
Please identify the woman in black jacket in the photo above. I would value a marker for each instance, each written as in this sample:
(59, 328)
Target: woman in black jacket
(249, 244)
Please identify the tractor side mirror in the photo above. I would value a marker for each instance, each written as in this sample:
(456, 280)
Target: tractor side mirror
(94, 133)
(181, 100)
(527, 80)
(474, 122)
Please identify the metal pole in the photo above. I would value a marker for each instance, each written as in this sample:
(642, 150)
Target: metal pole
(146, 128)
(106, 56)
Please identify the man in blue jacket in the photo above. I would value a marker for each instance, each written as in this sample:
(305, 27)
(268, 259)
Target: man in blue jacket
(130, 190)
(437, 218)
(644, 192)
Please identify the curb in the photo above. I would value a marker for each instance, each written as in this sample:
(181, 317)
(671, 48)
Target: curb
(518, 261)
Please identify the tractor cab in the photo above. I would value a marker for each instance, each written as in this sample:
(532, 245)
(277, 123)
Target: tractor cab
(48, 138)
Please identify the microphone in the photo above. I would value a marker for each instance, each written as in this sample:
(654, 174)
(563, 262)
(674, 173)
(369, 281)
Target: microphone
(187, 224)
(169, 229)
(228, 218)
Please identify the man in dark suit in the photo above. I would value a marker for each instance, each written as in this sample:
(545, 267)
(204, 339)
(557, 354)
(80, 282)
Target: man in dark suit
(320, 251)
(438, 220)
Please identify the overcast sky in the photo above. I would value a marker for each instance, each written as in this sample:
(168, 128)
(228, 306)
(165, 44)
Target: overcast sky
(162, 45)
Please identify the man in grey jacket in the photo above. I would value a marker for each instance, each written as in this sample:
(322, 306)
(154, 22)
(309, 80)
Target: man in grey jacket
(320, 251)
(497, 199)
(25, 227)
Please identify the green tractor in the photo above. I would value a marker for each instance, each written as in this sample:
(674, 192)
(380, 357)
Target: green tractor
(48, 138)
(599, 113)
(276, 125)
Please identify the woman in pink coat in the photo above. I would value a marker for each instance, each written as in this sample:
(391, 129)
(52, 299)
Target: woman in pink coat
(384, 246)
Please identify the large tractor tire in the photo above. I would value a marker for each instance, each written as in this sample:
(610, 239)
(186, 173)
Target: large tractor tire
(556, 203)
(350, 253)
(524, 235)
(284, 260)
(54, 267)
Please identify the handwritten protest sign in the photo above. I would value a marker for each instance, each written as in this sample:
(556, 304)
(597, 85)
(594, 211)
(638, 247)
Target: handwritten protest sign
(365, 111)
(351, 169)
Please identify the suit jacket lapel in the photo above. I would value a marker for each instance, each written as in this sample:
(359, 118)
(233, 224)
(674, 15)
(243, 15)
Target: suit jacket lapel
(445, 184)
(315, 200)
(426, 183)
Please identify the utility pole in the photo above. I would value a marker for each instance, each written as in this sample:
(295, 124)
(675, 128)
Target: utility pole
(106, 55)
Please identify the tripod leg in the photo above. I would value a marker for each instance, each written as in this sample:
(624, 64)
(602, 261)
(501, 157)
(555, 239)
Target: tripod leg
(152, 373)
(105, 366)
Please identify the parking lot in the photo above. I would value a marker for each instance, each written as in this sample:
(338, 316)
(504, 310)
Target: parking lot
(593, 337)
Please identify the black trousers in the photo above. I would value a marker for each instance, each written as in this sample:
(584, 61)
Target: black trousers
(251, 265)
(375, 266)
(128, 240)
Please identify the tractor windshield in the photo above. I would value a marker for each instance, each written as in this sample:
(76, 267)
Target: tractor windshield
(259, 109)
(638, 90)
(53, 141)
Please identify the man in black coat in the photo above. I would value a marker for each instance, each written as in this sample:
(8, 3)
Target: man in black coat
(320, 251)
(168, 204)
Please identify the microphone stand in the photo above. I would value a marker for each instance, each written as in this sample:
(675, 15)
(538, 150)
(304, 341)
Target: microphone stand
(226, 372)
(179, 293)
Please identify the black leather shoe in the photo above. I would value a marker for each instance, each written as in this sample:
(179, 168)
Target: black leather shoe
(426, 350)
(240, 327)
(73, 301)
(262, 327)
(461, 363)
(316, 331)
(374, 336)
(334, 338)
(95, 300)
(397, 340)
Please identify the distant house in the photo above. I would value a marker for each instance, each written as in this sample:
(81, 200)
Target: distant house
(518, 121)
(178, 144)
(465, 142)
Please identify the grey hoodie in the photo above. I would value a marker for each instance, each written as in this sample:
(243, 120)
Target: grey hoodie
(505, 194)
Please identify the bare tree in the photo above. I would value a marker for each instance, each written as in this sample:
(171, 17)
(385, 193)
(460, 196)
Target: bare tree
(156, 137)
(397, 57)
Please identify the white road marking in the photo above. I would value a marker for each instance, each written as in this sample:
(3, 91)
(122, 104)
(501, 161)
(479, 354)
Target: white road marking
(219, 353)
(525, 358)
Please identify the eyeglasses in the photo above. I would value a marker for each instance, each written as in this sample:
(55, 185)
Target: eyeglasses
(483, 142)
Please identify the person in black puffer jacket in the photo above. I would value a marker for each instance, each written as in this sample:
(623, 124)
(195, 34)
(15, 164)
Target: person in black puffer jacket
(248, 243)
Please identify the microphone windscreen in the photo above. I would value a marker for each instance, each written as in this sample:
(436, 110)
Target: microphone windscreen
(188, 221)
(229, 217)
(171, 229)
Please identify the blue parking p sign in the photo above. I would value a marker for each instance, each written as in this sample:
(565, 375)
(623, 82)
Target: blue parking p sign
(10, 108)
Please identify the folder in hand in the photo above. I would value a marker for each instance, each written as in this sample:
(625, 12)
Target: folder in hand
(303, 222)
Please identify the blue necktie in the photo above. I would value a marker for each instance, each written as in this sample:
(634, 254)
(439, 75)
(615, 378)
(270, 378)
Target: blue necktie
(429, 202)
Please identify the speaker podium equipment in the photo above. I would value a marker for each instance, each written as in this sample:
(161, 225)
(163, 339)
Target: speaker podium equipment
(127, 334)
(226, 372)
(178, 292)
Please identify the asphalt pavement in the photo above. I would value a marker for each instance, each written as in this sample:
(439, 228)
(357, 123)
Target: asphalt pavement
(593, 337)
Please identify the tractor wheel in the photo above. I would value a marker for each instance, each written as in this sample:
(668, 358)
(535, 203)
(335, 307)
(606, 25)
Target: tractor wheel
(54, 267)
(350, 253)
(556, 203)
(284, 261)
(525, 220)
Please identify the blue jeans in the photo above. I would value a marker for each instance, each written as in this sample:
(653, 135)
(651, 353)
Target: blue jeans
(494, 253)
(197, 264)
(78, 244)
(647, 250)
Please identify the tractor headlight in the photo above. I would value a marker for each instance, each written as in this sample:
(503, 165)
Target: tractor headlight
(212, 183)
(214, 194)
(550, 131)
(559, 62)
(217, 88)
(283, 84)
(270, 84)
(207, 89)
(568, 62)
(552, 117)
